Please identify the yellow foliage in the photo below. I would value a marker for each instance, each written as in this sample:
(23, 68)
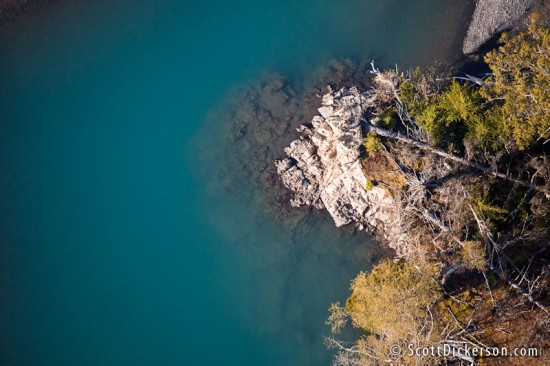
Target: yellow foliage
(369, 185)
(337, 318)
(484, 207)
(461, 307)
(392, 299)
(459, 103)
(372, 143)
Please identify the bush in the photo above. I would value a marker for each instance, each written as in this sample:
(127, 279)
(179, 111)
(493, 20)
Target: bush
(387, 119)
(372, 143)
(456, 112)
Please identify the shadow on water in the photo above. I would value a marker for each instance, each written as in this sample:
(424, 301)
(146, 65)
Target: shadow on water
(473, 63)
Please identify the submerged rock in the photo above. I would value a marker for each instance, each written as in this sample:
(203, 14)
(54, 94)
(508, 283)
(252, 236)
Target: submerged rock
(259, 120)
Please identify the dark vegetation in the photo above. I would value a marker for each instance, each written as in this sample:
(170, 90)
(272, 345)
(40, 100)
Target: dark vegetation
(466, 158)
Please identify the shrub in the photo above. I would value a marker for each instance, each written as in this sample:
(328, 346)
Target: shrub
(387, 119)
(372, 143)
(485, 207)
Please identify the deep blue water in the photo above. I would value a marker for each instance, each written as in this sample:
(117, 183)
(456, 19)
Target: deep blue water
(114, 248)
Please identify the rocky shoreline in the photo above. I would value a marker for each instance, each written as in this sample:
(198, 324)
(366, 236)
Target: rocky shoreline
(322, 167)
(447, 174)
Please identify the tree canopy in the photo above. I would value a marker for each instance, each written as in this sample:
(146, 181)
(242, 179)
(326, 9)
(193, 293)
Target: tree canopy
(391, 299)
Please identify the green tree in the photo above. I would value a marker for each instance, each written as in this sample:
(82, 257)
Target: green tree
(521, 82)
(458, 110)
(449, 115)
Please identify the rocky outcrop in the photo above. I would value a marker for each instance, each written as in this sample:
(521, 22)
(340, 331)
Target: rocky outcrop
(323, 168)
(492, 17)
(253, 125)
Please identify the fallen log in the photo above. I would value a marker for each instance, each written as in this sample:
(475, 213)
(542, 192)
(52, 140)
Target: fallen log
(424, 146)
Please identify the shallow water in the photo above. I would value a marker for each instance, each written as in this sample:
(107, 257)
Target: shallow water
(120, 241)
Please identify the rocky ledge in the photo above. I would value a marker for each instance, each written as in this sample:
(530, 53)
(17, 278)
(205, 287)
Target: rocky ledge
(323, 168)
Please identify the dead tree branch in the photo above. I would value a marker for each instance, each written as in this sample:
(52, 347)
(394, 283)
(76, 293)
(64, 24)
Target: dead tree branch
(422, 145)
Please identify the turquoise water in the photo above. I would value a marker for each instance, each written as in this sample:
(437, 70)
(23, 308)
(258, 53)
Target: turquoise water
(115, 247)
